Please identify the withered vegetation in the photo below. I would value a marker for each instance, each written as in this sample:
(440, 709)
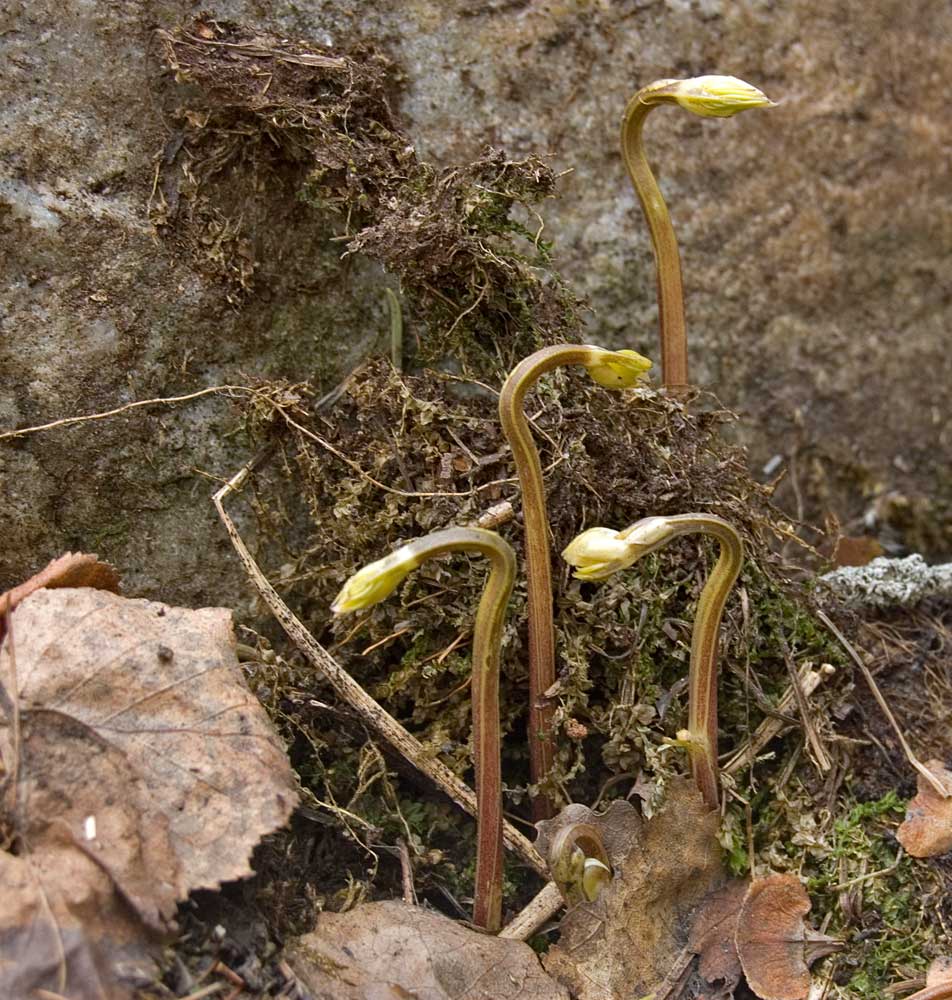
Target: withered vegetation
(398, 454)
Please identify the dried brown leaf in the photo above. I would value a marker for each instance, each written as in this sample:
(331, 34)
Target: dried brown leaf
(75, 569)
(392, 951)
(927, 828)
(940, 971)
(630, 939)
(712, 934)
(775, 945)
(144, 769)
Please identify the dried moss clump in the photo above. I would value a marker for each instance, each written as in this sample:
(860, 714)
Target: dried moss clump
(315, 124)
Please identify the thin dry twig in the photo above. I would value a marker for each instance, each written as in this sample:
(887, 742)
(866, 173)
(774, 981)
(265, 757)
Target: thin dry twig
(810, 680)
(160, 400)
(348, 689)
(881, 701)
(820, 756)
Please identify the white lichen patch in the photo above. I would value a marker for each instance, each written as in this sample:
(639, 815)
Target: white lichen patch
(885, 582)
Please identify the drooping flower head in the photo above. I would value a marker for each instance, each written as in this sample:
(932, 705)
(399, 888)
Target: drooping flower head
(617, 369)
(375, 582)
(718, 96)
(600, 552)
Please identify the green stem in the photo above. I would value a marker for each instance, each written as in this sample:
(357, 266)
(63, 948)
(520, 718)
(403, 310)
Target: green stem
(538, 559)
(487, 642)
(702, 695)
(674, 344)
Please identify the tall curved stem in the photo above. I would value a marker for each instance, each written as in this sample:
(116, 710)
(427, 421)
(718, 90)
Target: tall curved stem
(487, 641)
(702, 694)
(674, 345)
(538, 559)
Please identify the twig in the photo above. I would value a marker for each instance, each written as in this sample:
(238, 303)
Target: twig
(820, 756)
(881, 701)
(406, 871)
(810, 680)
(351, 692)
(161, 400)
(543, 907)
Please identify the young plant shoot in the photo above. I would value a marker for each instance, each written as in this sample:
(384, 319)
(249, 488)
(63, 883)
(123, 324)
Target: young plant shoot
(710, 97)
(615, 370)
(377, 581)
(600, 552)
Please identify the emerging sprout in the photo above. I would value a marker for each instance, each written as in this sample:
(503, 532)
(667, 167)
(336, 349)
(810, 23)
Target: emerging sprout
(616, 370)
(710, 96)
(377, 581)
(600, 552)
(579, 863)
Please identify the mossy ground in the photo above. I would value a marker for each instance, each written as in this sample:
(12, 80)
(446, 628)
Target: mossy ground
(401, 453)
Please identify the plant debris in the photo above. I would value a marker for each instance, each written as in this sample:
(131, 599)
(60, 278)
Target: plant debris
(629, 940)
(774, 945)
(393, 950)
(927, 828)
(75, 569)
(137, 767)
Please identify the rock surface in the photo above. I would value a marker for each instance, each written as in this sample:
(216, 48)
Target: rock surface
(815, 237)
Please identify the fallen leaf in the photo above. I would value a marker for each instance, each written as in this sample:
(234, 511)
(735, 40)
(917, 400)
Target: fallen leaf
(927, 828)
(775, 945)
(712, 934)
(635, 935)
(138, 767)
(939, 972)
(75, 569)
(395, 951)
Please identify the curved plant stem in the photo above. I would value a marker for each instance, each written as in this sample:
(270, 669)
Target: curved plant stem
(538, 560)
(674, 344)
(487, 641)
(377, 581)
(702, 696)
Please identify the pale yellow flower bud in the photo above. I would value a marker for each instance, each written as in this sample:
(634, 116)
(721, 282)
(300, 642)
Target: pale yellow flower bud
(375, 582)
(596, 553)
(617, 369)
(718, 96)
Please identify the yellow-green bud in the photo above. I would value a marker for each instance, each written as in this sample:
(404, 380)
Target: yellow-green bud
(596, 553)
(375, 582)
(718, 96)
(617, 369)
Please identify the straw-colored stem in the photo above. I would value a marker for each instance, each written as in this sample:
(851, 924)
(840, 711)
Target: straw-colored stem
(538, 559)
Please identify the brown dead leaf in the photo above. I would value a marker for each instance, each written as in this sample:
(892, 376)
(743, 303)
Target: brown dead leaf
(75, 569)
(939, 972)
(712, 934)
(144, 768)
(394, 951)
(775, 945)
(629, 940)
(927, 828)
